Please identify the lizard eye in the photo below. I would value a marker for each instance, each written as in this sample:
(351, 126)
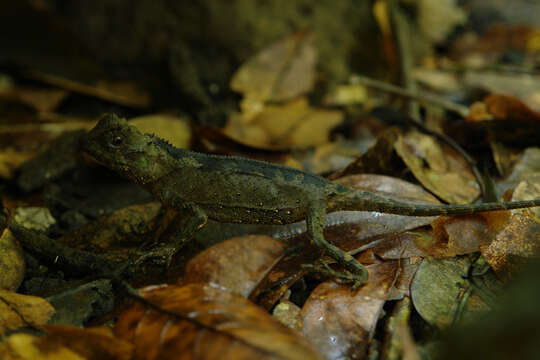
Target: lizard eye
(117, 141)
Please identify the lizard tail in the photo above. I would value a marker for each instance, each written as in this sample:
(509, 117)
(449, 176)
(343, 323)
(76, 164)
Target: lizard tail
(364, 201)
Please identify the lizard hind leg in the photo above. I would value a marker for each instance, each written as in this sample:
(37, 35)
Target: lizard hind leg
(315, 224)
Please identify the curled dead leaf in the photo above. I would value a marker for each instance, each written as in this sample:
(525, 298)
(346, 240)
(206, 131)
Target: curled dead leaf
(204, 321)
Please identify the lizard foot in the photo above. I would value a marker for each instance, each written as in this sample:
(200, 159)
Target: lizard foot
(344, 277)
(163, 255)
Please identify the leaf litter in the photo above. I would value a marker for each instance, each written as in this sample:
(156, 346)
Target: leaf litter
(283, 115)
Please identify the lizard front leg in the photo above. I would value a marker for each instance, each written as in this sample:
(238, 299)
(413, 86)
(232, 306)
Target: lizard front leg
(315, 224)
(175, 228)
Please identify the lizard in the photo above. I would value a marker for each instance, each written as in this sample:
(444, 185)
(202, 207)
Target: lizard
(239, 190)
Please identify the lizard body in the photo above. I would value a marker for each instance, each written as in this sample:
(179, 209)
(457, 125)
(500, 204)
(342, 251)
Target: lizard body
(238, 190)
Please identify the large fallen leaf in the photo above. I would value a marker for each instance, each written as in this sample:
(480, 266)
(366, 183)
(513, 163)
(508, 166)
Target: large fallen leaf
(437, 18)
(67, 343)
(279, 72)
(341, 322)
(412, 243)
(91, 343)
(294, 124)
(517, 243)
(29, 347)
(205, 322)
(12, 264)
(18, 310)
(118, 229)
(438, 291)
(439, 168)
(467, 233)
(237, 264)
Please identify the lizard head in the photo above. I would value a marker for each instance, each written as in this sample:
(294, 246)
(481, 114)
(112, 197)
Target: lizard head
(124, 149)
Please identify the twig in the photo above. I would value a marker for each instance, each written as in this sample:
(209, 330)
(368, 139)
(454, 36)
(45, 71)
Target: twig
(421, 96)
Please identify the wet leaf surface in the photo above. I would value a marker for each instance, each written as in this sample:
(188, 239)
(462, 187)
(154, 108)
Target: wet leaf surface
(210, 323)
(339, 321)
(237, 264)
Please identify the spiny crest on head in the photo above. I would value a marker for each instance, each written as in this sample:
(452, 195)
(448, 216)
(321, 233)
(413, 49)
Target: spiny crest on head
(165, 145)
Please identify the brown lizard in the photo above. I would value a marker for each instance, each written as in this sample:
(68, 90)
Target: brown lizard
(238, 190)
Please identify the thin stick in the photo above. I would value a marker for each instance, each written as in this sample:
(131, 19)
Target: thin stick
(421, 96)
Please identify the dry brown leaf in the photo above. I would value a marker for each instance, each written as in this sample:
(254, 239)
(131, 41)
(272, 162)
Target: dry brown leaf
(465, 234)
(29, 347)
(279, 72)
(414, 243)
(90, 343)
(521, 87)
(121, 230)
(513, 246)
(518, 239)
(237, 264)
(221, 325)
(504, 107)
(12, 264)
(528, 189)
(438, 168)
(18, 310)
(341, 322)
(294, 124)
